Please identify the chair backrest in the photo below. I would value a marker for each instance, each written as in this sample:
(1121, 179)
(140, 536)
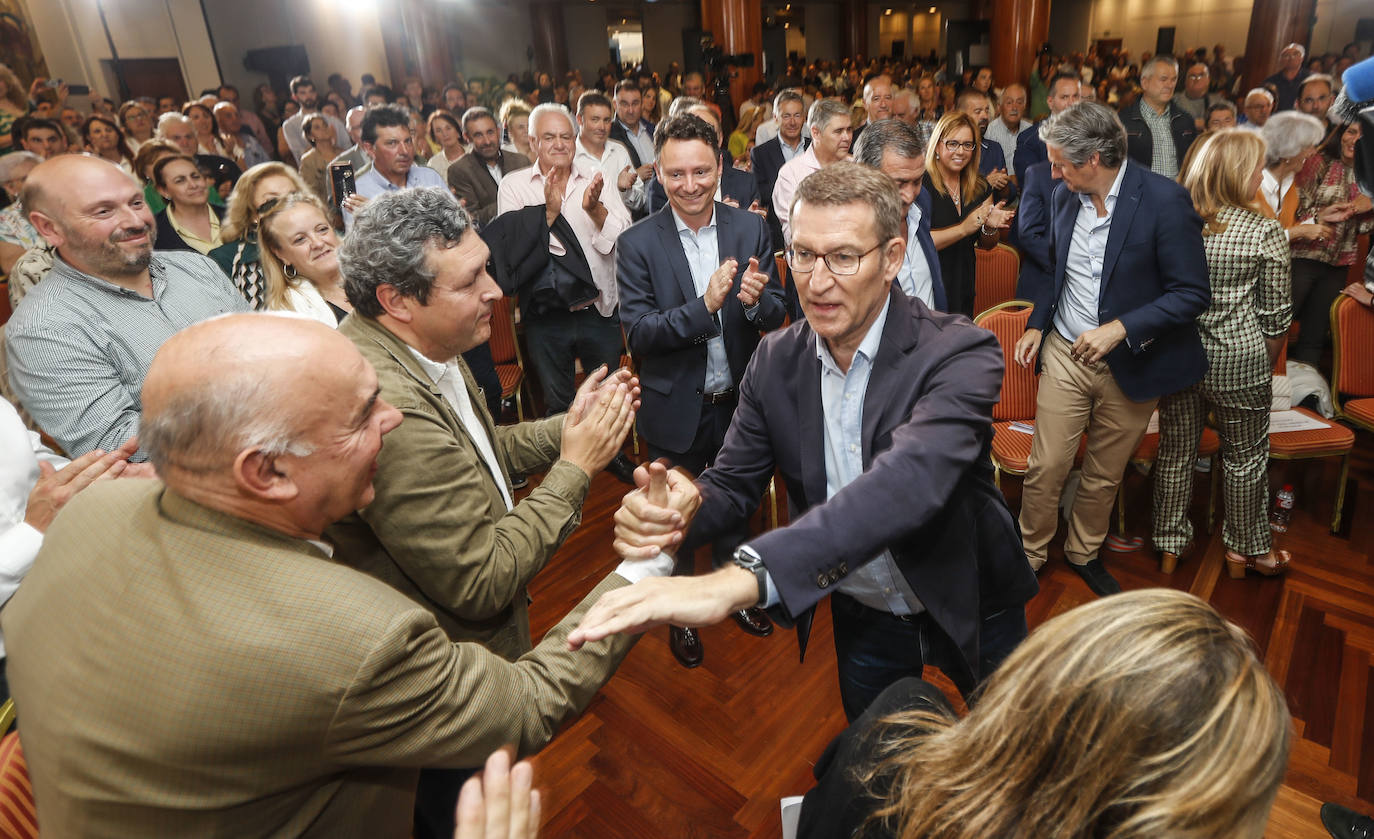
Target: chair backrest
(1352, 335)
(503, 346)
(1019, 384)
(995, 276)
(4, 301)
(18, 813)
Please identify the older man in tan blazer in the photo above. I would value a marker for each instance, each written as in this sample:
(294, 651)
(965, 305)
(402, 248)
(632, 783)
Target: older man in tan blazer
(188, 660)
(475, 177)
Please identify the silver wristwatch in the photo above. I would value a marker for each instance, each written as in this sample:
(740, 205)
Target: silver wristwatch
(748, 559)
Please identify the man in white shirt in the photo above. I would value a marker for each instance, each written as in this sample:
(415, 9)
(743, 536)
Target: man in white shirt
(444, 528)
(580, 320)
(35, 484)
(1009, 124)
(303, 91)
(594, 146)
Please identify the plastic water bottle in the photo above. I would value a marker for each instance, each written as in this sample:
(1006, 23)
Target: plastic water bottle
(1283, 510)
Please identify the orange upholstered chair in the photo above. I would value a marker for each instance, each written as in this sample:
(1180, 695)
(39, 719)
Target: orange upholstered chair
(18, 814)
(1016, 407)
(1333, 440)
(505, 352)
(995, 276)
(1352, 375)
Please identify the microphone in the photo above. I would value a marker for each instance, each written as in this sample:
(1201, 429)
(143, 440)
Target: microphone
(1358, 80)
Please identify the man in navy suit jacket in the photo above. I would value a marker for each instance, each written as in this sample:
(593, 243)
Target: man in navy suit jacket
(893, 506)
(897, 149)
(1030, 149)
(1033, 230)
(698, 283)
(789, 108)
(1115, 329)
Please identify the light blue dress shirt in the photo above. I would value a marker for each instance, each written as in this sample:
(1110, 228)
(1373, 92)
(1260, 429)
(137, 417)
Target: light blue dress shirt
(914, 276)
(371, 184)
(789, 152)
(1077, 310)
(703, 258)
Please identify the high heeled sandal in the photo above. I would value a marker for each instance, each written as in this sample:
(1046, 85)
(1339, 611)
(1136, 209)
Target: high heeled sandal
(1168, 560)
(1237, 565)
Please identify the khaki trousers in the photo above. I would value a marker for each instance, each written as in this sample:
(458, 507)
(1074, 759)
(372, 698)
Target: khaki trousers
(1075, 398)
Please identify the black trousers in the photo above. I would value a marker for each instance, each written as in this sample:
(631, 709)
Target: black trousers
(555, 339)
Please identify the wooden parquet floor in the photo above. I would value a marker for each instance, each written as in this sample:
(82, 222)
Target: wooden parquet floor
(679, 754)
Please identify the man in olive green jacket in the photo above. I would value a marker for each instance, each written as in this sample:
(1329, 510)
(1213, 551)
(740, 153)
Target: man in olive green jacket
(444, 529)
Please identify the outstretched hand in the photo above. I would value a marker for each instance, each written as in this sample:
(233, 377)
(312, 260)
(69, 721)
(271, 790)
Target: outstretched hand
(655, 515)
(680, 601)
(500, 803)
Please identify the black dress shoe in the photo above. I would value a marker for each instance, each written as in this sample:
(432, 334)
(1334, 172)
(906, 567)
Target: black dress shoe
(686, 645)
(519, 481)
(1097, 578)
(754, 621)
(622, 469)
(1344, 823)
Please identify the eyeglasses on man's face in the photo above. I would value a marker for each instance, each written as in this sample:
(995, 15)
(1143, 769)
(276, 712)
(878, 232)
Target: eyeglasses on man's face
(840, 263)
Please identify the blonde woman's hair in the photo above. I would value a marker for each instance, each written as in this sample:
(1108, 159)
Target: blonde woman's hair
(276, 283)
(15, 93)
(1137, 716)
(241, 216)
(1219, 175)
(970, 181)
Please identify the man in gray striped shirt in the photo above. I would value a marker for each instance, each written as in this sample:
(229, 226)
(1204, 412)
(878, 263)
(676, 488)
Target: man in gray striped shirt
(80, 342)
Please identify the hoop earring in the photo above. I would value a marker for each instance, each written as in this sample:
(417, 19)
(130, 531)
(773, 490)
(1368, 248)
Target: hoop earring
(289, 271)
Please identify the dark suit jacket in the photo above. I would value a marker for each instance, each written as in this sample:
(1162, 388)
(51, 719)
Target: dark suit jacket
(471, 182)
(992, 157)
(926, 492)
(667, 324)
(1154, 280)
(1033, 231)
(932, 256)
(1139, 140)
(618, 132)
(735, 184)
(1030, 150)
(167, 237)
(765, 161)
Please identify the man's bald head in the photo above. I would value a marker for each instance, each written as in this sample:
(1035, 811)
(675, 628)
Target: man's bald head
(272, 418)
(225, 384)
(93, 212)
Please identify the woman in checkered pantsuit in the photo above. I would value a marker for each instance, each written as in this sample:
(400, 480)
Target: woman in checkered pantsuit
(1248, 259)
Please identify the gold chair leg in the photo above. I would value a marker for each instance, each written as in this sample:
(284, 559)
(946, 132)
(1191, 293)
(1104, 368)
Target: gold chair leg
(1340, 493)
(996, 476)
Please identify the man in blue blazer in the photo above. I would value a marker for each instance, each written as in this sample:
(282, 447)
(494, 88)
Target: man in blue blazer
(877, 414)
(1114, 330)
(698, 283)
(1030, 148)
(1033, 230)
(789, 108)
(992, 162)
(897, 149)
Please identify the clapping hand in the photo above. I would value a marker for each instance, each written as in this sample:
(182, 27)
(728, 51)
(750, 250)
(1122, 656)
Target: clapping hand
(591, 200)
(627, 179)
(998, 179)
(554, 183)
(751, 283)
(719, 285)
(599, 419)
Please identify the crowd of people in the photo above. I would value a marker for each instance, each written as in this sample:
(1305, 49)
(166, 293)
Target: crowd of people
(272, 326)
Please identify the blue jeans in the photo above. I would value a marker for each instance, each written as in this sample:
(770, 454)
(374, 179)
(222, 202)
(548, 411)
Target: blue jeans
(873, 649)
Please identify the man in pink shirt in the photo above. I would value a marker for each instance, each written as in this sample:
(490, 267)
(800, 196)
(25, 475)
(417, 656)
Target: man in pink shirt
(570, 312)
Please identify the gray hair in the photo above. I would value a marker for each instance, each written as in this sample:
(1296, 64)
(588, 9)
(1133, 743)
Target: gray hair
(788, 94)
(683, 104)
(1263, 91)
(199, 429)
(1082, 130)
(169, 118)
(823, 111)
(1318, 78)
(901, 138)
(549, 108)
(390, 244)
(844, 183)
(1289, 133)
(1151, 66)
(12, 161)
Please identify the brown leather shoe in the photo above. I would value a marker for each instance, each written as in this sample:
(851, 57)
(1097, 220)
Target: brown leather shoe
(754, 621)
(686, 645)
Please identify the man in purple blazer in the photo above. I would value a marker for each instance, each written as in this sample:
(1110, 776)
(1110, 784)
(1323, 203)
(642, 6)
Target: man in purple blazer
(876, 413)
